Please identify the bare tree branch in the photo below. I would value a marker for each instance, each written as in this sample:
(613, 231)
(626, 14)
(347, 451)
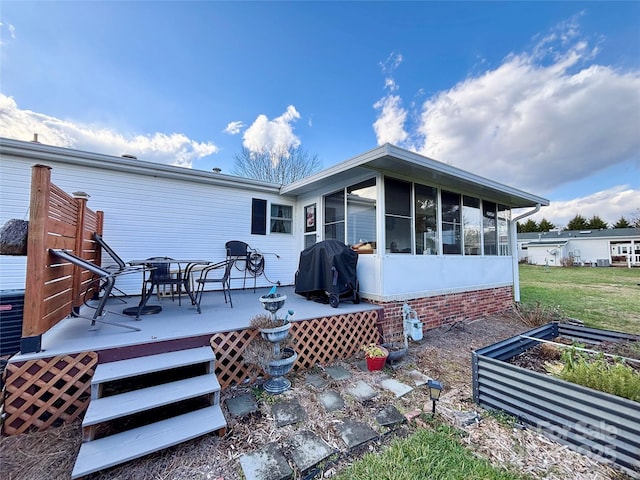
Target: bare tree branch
(282, 166)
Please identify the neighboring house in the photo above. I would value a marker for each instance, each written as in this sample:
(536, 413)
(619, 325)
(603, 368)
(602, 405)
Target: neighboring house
(433, 235)
(603, 248)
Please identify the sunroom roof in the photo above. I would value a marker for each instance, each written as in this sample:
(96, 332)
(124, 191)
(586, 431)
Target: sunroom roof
(398, 161)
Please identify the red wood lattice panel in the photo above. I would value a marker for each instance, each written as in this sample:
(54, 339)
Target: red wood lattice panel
(319, 341)
(48, 391)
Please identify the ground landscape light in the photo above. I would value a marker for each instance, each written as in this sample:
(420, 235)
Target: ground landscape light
(435, 387)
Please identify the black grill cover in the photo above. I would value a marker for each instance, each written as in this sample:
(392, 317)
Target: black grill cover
(327, 267)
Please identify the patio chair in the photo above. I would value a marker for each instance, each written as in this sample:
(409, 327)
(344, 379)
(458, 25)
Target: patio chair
(160, 275)
(246, 260)
(120, 265)
(104, 278)
(224, 279)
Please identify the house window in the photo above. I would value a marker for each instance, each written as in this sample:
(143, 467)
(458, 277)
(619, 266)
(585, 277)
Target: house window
(281, 218)
(398, 220)
(451, 223)
(490, 234)
(258, 216)
(361, 212)
(426, 207)
(471, 221)
(334, 228)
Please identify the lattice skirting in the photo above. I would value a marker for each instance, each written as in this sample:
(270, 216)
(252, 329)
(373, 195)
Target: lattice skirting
(318, 341)
(49, 391)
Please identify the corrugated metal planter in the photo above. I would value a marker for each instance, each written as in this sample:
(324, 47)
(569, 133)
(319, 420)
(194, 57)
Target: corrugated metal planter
(602, 426)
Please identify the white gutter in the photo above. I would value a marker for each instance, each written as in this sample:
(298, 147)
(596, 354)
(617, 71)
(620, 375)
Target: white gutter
(514, 254)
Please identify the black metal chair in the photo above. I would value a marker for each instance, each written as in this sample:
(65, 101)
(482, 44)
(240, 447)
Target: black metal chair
(246, 260)
(160, 275)
(106, 282)
(224, 280)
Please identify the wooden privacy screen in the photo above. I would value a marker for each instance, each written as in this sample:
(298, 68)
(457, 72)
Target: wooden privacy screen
(57, 220)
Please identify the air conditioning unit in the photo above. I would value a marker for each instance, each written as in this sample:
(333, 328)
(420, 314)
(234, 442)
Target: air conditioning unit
(603, 262)
(11, 312)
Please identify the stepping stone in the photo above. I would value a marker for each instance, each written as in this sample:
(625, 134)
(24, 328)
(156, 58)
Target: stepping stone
(307, 450)
(331, 401)
(362, 365)
(390, 416)
(338, 372)
(268, 463)
(241, 405)
(464, 419)
(288, 413)
(355, 433)
(397, 388)
(362, 391)
(418, 377)
(316, 381)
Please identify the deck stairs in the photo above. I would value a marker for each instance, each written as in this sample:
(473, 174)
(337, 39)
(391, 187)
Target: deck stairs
(145, 404)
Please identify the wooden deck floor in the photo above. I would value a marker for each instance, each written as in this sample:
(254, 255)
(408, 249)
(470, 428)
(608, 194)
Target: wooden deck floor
(73, 335)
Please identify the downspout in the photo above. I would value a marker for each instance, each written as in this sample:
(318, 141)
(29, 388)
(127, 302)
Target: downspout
(514, 255)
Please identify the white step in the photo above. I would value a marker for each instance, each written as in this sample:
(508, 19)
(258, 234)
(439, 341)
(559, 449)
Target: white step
(122, 447)
(117, 406)
(107, 372)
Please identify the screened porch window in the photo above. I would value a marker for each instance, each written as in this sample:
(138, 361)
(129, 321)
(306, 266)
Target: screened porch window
(426, 207)
(451, 224)
(490, 233)
(334, 216)
(471, 221)
(398, 219)
(504, 217)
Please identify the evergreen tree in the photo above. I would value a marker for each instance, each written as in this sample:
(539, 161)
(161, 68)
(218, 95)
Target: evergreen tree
(596, 223)
(528, 226)
(622, 223)
(577, 223)
(545, 225)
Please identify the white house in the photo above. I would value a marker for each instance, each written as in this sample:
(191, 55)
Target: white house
(606, 247)
(432, 234)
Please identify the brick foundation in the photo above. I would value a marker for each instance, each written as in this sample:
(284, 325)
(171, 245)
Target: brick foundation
(445, 309)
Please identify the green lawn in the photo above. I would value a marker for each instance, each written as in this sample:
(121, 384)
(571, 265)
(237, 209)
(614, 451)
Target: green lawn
(434, 454)
(603, 297)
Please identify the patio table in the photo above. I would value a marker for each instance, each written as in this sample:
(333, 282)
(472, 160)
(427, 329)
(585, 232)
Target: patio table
(143, 308)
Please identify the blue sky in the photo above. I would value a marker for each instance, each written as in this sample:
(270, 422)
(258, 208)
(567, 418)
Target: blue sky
(542, 96)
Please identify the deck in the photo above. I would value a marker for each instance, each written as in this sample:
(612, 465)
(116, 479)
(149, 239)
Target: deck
(176, 323)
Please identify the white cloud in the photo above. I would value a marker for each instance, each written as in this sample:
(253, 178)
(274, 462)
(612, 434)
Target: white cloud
(234, 127)
(610, 205)
(538, 120)
(273, 136)
(173, 149)
(389, 124)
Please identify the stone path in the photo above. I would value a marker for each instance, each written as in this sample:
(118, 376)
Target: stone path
(304, 450)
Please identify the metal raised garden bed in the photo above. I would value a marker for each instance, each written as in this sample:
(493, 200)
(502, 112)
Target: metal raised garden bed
(600, 425)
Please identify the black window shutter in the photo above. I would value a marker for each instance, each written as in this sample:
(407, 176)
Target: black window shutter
(258, 216)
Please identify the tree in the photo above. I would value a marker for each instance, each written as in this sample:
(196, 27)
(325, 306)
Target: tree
(528, 226)
(577, 223)
(622, 223)
(635, 219)
(545, 225)
(596, 223)
(282, 166)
